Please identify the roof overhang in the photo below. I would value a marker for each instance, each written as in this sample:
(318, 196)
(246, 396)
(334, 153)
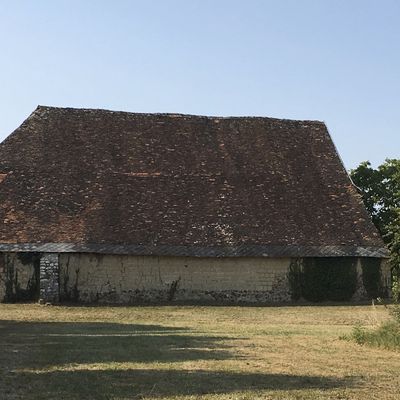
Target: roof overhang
(278, 251)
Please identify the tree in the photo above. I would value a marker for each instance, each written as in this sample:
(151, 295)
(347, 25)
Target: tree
(380, 189)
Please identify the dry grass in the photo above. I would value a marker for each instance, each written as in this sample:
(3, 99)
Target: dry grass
(192, 353)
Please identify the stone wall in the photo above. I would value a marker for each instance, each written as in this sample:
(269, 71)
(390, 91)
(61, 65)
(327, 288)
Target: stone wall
(136, 279)
(89, 278)
(49, 278)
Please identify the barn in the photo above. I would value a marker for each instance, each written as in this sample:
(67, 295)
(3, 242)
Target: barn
(117, 207)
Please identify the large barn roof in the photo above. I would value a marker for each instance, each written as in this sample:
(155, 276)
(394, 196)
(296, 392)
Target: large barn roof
(172, 184)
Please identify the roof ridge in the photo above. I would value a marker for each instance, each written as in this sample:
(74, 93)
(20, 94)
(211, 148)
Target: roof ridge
(173, 114)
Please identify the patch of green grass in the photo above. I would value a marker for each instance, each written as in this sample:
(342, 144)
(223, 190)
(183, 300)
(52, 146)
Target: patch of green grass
(386, 336)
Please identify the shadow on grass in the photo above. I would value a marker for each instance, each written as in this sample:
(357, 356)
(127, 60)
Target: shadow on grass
(28, 349)
(40, 345)
(156, 383)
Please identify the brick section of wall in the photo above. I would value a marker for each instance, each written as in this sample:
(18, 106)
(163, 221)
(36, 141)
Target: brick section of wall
(132, 279)
(49, 278)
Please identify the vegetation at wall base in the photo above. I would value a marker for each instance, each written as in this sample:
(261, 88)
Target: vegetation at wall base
(323, 278)
(387, 334)
(372, 277)
(294, 278)
(13, 290)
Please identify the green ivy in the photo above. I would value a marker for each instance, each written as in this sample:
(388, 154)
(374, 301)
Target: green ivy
(13, 290)
(323, 279)
(294, 278)
(372, 277)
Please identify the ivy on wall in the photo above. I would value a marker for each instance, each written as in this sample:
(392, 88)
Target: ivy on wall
(372, 277)
(294, 278)
(13, 290)
(323, 278)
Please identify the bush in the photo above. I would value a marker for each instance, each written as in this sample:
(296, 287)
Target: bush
(359, 334)
(386, 336)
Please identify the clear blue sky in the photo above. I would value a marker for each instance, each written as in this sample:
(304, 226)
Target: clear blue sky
(331, 60)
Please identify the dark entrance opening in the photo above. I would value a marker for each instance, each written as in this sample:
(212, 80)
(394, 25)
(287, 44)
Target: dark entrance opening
(32, 290)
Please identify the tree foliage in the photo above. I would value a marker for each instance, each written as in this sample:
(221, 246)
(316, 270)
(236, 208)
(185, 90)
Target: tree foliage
(380, 189)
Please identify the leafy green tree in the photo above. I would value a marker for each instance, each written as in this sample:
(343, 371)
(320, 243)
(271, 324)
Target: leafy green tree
(380, 189)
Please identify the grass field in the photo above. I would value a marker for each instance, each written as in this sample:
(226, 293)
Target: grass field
(219, 353)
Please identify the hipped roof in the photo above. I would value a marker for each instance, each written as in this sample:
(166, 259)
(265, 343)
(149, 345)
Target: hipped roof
(171, 184)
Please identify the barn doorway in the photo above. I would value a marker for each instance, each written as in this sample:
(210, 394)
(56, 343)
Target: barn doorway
(30, 291)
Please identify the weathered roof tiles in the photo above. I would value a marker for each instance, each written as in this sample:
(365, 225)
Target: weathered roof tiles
(96, 177)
